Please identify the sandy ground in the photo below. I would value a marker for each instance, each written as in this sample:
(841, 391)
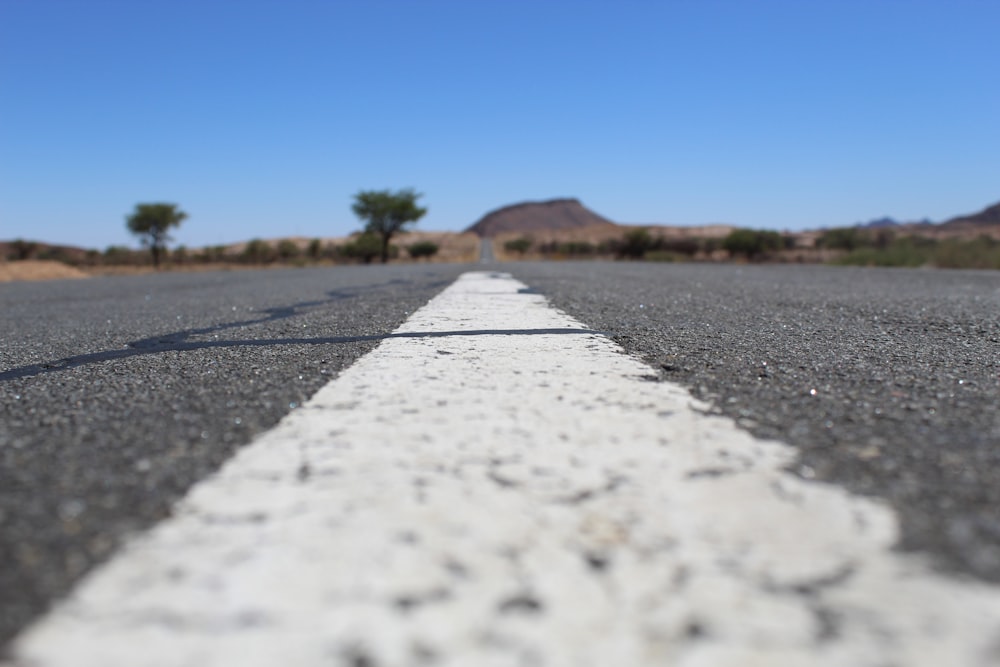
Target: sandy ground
(37, 269)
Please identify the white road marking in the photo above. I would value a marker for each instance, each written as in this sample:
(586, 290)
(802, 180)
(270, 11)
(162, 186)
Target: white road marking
(476, 497)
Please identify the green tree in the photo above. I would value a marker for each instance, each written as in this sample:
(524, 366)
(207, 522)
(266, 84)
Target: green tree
(752, 243)
(117, 254)
(842, 238)
(385, 213)
(423, 249)
(258, 251)
(635, 243)
(288, 249)
(365, 247)
(519, 245)
(152, 223)
(23, 249)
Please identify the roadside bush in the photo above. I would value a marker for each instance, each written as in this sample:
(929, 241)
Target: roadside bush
(852, 238)
(662, 256)
(978, 253)
(215, 253)
(20, 249)
(117, 255)
(258, 252)
(686, 247)
(364, 247)
(576, 248)
(519, 245)
(751, 243)
(288, 250)
(710, 244)
(55, 255)
(847, 238)
(422, 249)
(635, 243)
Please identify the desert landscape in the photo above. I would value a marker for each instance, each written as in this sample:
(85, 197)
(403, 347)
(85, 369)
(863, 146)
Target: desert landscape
(555, 229)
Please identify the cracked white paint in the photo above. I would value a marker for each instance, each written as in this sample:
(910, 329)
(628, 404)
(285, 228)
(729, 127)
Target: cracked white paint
(514, 499)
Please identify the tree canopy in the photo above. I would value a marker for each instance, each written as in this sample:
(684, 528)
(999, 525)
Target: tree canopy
(385, 213)
(152, 223)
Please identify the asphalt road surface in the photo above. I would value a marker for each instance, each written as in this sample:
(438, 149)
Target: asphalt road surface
(887, 380)
(117, 394)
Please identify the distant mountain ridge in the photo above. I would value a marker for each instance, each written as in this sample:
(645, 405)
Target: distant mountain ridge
(988, 216)
(887, 222)
(553, 214)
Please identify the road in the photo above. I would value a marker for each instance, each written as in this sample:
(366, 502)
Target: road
(117, 394)
(887, 380)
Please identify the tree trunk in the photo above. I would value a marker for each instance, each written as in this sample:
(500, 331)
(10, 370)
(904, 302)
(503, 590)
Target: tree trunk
(385, 247)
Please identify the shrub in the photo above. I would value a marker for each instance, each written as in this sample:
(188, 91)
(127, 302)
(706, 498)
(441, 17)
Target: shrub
(365, 247)
(117, 255)
(576, 248)
(21, 249)
(686, 246)
(423, 249)
(635, 243)
(752, 243)
(215, 253)
(315, 249)
(978, 253)
(519, 245)
(288, 250)
(257, 252)
(661, 256)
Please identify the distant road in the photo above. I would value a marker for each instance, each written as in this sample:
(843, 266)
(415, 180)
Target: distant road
(486, 251)
(117, 394)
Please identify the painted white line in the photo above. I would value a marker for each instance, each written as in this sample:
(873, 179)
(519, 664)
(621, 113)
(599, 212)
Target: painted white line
(488, 498)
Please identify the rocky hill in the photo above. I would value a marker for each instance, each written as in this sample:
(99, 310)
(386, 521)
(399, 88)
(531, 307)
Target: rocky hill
(988, 217)
(526, 217)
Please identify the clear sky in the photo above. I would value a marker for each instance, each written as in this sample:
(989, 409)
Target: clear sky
(261, 118)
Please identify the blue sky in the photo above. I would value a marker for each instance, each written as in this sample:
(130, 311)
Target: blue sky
(262, 118)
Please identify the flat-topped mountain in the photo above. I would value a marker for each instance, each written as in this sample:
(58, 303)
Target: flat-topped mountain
(987, 217)
(535, 216)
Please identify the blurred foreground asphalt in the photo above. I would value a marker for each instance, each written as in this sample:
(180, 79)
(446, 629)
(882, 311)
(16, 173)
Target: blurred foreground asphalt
(887, 380)
(116, 394)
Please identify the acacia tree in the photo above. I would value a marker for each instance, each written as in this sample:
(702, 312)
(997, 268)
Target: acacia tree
(386, 213)
(152, 223)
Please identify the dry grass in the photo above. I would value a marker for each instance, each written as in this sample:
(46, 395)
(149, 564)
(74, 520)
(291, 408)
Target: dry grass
(37, 269)
(452, 247)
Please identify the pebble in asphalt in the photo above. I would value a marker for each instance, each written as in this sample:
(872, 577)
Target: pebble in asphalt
(887, 380)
